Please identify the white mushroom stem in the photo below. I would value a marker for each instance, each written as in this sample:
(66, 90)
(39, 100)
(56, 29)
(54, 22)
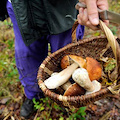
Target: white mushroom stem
(81, 77)
(97, 86)
(60, 78)
(55, 73)
(66, 85)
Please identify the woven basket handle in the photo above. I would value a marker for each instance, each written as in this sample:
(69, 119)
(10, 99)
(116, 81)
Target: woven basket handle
(111, 40)
(113, 43)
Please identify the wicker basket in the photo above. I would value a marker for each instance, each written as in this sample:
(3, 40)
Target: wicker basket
(91, 47)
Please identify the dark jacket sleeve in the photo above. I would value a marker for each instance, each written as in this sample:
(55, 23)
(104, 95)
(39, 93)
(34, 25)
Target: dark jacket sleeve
(3, 10)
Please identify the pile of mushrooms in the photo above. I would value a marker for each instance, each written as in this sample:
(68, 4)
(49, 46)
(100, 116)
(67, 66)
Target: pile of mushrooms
(84, 72)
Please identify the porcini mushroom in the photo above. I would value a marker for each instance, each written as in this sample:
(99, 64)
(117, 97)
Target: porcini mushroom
(81, 77)
(94, 68)
(60, 78)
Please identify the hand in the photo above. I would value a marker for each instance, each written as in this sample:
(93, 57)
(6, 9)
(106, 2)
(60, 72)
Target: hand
(89, 16)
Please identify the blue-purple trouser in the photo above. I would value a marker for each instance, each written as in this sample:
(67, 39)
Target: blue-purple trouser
(29, 58)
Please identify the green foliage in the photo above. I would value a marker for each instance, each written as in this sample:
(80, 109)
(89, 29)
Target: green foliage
(8, 23)
(110, 65)
(97, 34)
(8, 70)
(41, 106)
(38, 105)
(80, 114)
(61, 118)
(48, 107)
(38, 118)
(114, 5)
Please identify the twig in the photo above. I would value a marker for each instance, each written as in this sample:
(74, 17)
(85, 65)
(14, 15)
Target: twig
(11, 96)
(50, 109)
(106, 116)
(12, 118)
(36, 115)
(8, 116)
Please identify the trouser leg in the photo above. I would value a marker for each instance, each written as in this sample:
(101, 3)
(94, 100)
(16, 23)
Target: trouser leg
(62, 39)
(28, 59)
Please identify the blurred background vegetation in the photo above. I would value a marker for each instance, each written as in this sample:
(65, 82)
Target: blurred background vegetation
(11, 91)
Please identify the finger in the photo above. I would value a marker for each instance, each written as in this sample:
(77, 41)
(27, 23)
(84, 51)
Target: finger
(81, 1)
(80, 15)
(92, 11)
(78, 18)
(102, 4)
(106, 22)
(81, 12)
(85, 16)
(88, 24)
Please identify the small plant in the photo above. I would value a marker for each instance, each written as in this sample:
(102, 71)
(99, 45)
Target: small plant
(8, 23)
(44, 107)
(80, 114)
(38, 105)
(48, 109)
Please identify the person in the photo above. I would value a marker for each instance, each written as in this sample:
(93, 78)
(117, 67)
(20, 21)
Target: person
(37, 23)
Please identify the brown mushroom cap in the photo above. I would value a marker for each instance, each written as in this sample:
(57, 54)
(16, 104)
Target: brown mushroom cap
(94, 68)
(66, 61)
(74, 90)
(79, 60)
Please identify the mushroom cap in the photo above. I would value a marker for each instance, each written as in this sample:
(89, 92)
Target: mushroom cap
(74, 90)
(65, 61)
(79, 60)
(94, 68)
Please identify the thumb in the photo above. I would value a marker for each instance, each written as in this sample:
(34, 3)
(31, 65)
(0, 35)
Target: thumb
(92, 11)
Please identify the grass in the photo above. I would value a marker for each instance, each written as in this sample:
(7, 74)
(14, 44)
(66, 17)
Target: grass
(8, 71)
